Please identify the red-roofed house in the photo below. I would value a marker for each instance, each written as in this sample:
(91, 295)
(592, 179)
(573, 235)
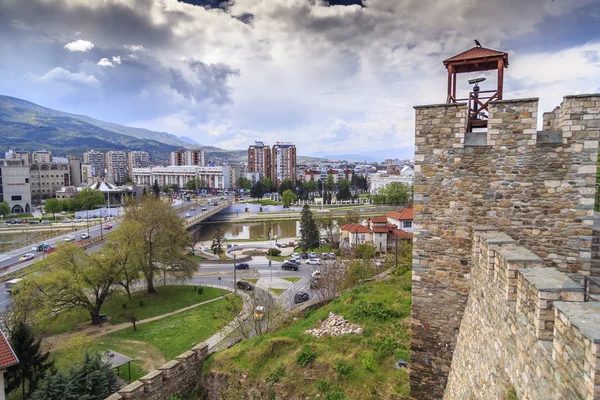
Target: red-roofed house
(352, 235)
(402, 219)
(8, 358)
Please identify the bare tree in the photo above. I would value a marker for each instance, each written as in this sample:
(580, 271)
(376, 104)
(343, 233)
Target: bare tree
(196, 237)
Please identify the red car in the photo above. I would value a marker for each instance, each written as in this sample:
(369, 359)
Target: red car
(107, 227)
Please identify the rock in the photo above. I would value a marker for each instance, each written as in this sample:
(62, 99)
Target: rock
(335, 325)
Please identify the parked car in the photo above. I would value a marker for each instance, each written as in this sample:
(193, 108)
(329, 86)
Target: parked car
(63, 213)
(314, 261)
(304, 256)
(66, 221)
(312, 254)
(207, 249)
(324, 256)
(300, 297)
(295, 255)
(242, 266)
(323, 241)
(291, 244)
(192, 208)
(316, 274)
(85, 236)
(289, 266)
(283, 245)
(244, 285)
(108, 227)
(229, 245)
(188, 215)
(26, 257)
(46, 222)
(332, 256)
(69, 238)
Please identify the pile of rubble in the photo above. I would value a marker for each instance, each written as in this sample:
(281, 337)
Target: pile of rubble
(335, 325)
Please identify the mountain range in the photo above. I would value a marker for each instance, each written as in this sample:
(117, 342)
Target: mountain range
(28, 126)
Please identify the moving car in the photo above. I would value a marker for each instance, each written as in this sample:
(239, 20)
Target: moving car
(314, 261)
(244, 285)
(289, 266)
(242, 266)
(9, 284)
(300, 297)
(26, 257)
(293, 261)
(85, 236)
(69, 238)
(204, 208)
(108, 227)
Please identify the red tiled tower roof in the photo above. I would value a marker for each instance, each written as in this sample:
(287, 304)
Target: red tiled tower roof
(8, 358)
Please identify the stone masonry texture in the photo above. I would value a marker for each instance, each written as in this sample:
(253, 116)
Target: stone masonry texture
(535, 187)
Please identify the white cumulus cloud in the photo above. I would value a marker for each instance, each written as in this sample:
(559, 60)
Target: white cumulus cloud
(79, 45)
(61, 75)
(105, 62)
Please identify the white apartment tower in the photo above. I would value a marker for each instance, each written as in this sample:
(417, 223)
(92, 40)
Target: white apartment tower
(116, 166)
(97, 161)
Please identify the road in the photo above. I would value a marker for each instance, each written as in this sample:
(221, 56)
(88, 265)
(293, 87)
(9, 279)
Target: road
(11, 258)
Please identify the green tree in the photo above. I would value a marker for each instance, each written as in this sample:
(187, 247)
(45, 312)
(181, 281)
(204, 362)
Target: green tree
(122, 248)
(344, 190)
(257, 191)
(174, 187)
(351, 217)
(288, 197)
(191, 184)
(32, 365)
(156, 188)
(244, 183)
(72, 279)
(165, 189)
(309, 232)
(328, 223)
(287, 184)
(91, 379)
(53, 206)
(163, 239)
(396, 193)
(267, 184)
(329, 183)
(217, 242)
(88, 199)
(4, 208)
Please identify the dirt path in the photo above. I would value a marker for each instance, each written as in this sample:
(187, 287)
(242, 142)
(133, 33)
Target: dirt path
(55, 342)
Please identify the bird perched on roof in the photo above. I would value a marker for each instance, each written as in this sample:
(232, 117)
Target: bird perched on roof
(477, 43)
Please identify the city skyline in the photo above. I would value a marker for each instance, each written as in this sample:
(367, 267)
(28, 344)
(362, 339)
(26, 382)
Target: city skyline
(339, 76)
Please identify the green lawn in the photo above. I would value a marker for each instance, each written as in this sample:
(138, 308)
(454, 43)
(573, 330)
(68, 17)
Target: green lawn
(292, 279)
(252, 281)
(154, 343)
(277, 291)
(197, 257)
(366, 361)
(178, 333)
(168, 299)
(267, 202)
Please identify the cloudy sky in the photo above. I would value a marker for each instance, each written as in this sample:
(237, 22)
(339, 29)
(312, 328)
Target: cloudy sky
(337, 77)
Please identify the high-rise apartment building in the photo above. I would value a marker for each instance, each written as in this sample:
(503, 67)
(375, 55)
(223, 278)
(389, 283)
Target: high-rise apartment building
(41, 157)
(47, 178)
(283, 162)
(116, 166)
(188, 157)
(97, 161)
(18, 155)
(137, 159)
(259, 159)
(14, 185)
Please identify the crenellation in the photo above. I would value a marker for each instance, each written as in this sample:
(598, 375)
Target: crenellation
(535, 187)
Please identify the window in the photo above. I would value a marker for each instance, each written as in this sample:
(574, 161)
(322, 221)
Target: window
(15, 198)
(362, 237)
(380, 234)
(26, 180)
(408, 224)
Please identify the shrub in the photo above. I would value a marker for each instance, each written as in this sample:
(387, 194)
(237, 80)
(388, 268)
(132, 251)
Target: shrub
(273, 252)
(141, 303)
(377, 311)
(342, 369)
(335, 394)
(368, 362)
(275, 376)
(124, 305)
(323, 385)
(306, 356)
(200, 290)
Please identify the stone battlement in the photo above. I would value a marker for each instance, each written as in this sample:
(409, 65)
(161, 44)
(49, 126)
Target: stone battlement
(534, 190)
(525, 327)
(173, 378)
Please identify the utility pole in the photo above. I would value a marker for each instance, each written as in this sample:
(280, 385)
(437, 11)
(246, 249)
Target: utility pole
(234, 275)
(396, 252)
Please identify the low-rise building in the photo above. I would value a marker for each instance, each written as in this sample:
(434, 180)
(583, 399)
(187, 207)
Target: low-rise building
(179, 175)
(15, 187)
(402, 219)
(380, 180)
(378, 232)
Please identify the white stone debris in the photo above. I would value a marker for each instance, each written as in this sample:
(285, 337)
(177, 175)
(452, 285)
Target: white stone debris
(335, 325)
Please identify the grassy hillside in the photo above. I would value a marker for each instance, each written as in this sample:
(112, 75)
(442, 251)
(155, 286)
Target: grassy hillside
(344, 367)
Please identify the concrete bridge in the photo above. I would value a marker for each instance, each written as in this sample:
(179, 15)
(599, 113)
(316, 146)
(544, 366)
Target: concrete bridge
(203, 215)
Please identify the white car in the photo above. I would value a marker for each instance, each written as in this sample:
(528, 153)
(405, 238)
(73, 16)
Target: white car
(312, 254)
(316, 274)
(193, 209)
(314, 261)
(85, 236)
(69, 238)
(26, 257)
(188, 215)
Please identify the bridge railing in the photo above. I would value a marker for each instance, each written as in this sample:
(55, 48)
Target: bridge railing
(201, 217)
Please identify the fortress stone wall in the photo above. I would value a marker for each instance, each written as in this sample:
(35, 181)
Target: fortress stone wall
(536, 188)
(175, 377)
